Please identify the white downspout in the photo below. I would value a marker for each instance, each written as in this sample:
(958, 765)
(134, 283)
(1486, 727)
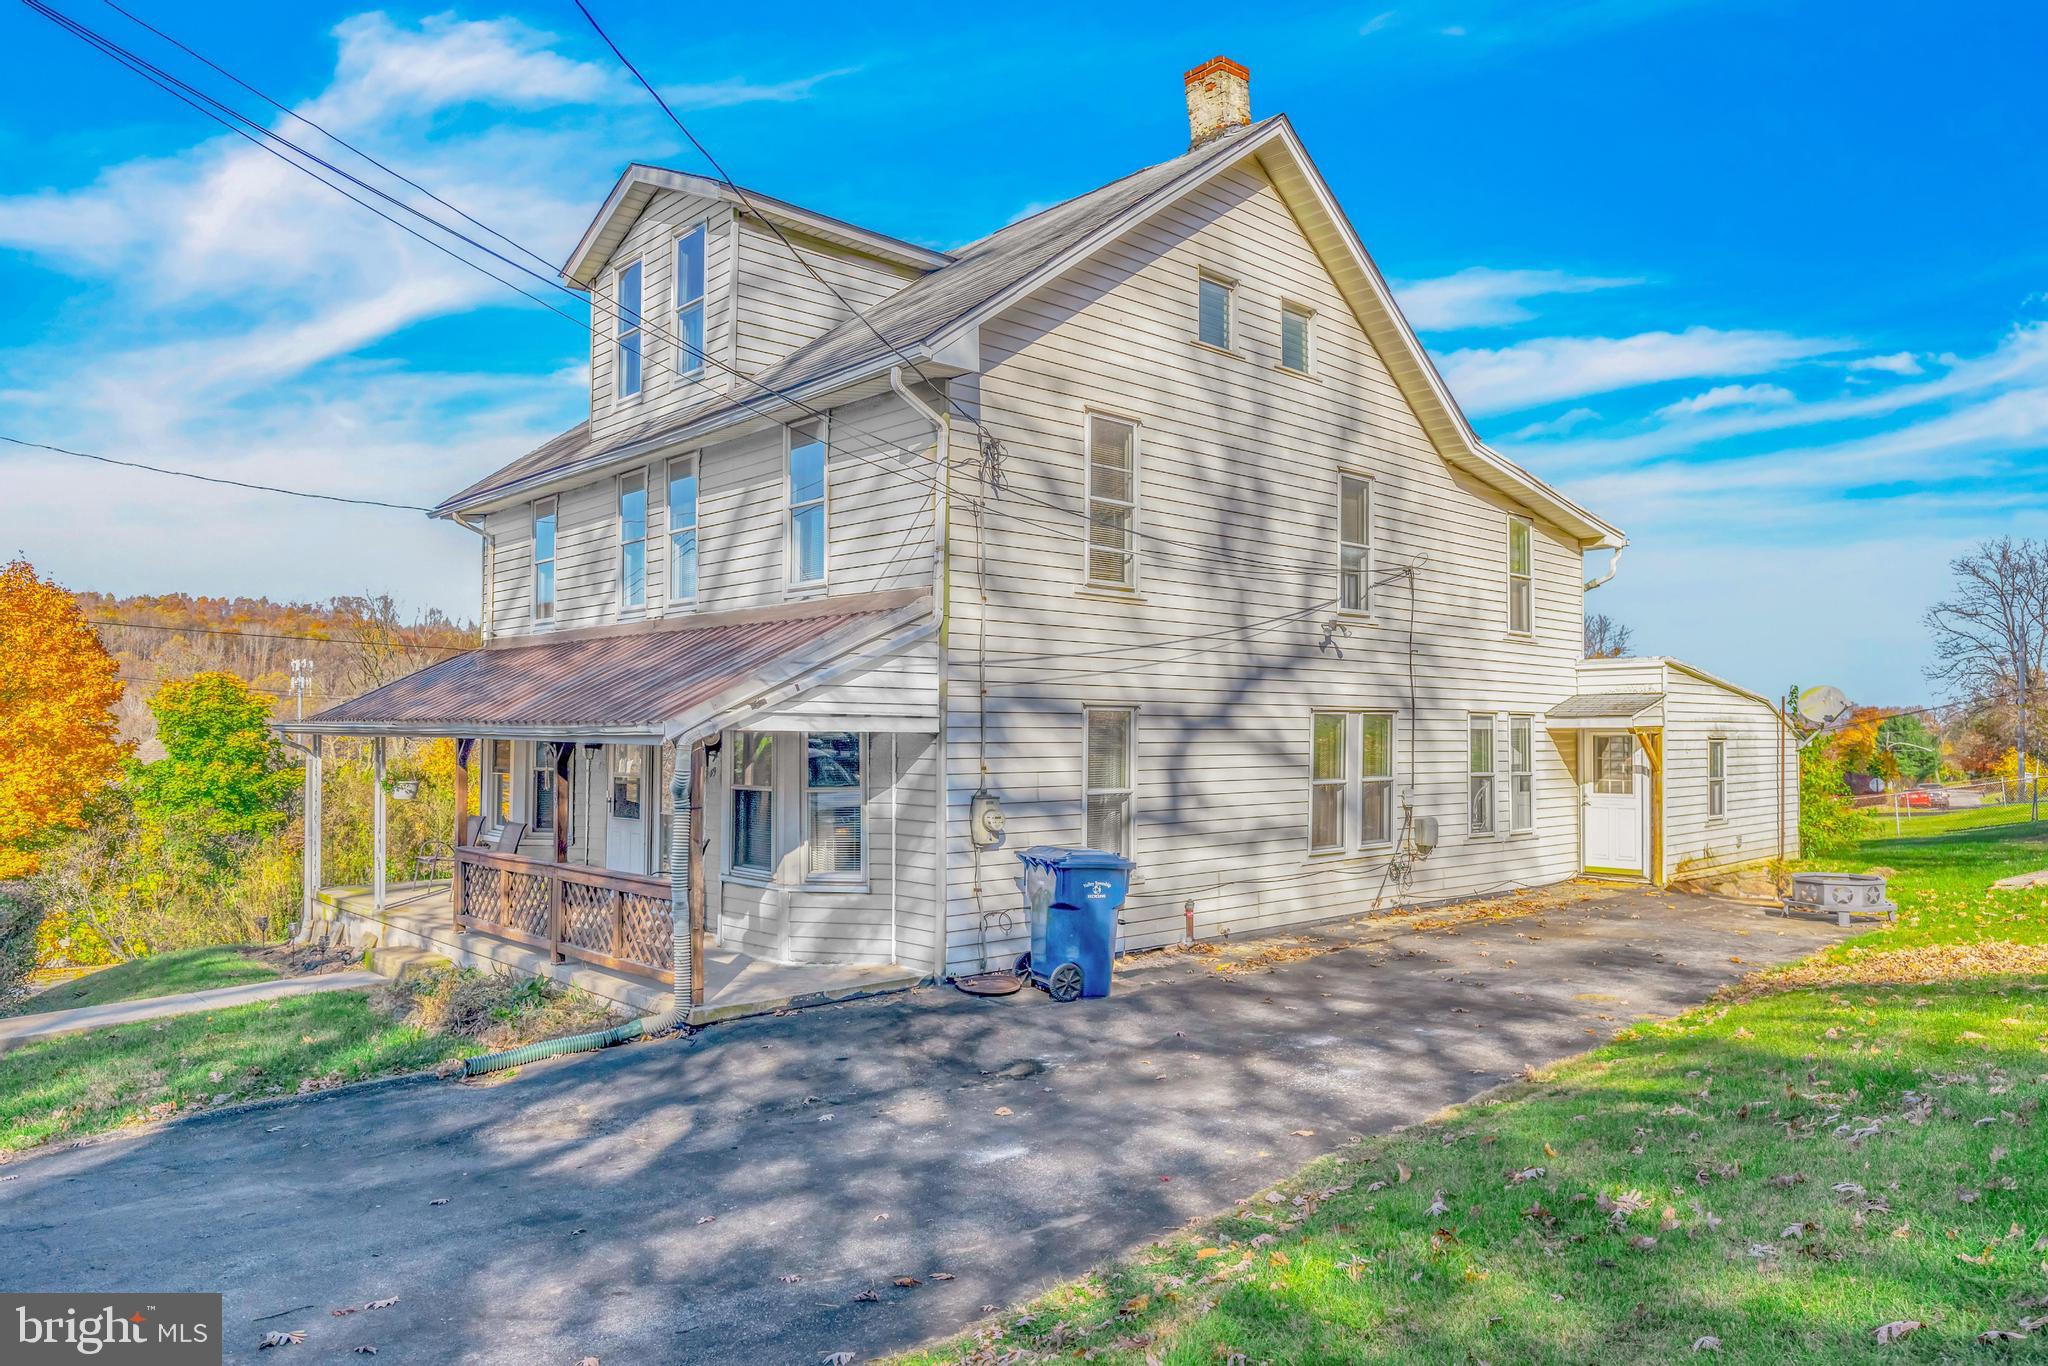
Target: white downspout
(1613, 567)
(942, 798)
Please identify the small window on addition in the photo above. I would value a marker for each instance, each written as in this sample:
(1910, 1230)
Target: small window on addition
(1214, 312)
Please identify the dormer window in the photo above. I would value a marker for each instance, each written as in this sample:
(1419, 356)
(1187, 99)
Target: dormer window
(626, 309)
(690, 303)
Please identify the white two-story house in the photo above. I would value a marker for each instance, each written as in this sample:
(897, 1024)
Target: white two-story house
(1144, 522)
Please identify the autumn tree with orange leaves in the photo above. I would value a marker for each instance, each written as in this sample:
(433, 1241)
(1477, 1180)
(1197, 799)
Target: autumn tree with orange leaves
(59, 744)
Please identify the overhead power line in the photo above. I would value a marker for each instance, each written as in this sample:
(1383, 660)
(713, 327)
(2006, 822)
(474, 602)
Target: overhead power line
(214, 478)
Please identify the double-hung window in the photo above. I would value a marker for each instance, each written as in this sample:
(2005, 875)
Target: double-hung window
(1112, 502)
(1521, 576)
(633, 540)
(833, 803)
(1212, 308)
(501, 782)
(690, 303)
(1351, 781)
(626, 324)
(1717, 779)
(753, 803)
(1295, 324)
(1521, 774)
(1481, 804)
(626, 768)
(544, 560)
(1354, 542)
(682, 529)
(544, 758)
(807, 503)
(1106, 778)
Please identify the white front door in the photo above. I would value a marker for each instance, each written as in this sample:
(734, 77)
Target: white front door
(622, 769)
(1613, 795)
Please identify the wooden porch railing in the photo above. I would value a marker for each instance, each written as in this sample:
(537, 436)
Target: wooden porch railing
(619, 920)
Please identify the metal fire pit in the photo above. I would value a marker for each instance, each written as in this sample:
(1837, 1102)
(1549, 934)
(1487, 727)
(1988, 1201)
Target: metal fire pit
(1841, 896)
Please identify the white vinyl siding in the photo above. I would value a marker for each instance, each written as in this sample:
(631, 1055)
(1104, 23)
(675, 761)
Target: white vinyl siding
(1212, 310)
(689, 302)
(632, 516)
(1482, 798)
(545, 513)
(626, 322)
(682, 529)
(1112, 474)
(1107, 778)
(1521, 774)
(1297, 331)
(1521, 576)
(1354, 543)
(808, 520)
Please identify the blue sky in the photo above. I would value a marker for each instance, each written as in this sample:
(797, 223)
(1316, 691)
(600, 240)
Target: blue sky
(1763, 284)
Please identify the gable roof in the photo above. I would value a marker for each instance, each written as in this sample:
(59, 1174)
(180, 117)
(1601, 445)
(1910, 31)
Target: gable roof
(984, 277)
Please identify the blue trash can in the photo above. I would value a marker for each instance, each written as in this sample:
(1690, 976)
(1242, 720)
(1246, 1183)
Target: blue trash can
(1073, 896)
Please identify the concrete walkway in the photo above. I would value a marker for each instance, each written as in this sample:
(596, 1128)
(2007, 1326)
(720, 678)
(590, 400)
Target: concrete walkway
(751, 1194)
(19, 1028)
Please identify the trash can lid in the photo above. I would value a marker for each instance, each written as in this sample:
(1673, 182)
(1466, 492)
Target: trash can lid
(1062, 856)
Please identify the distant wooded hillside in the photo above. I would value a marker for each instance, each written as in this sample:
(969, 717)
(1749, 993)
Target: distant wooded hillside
(355, 644)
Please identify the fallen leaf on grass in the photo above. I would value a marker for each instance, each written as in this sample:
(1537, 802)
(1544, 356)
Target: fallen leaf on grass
(1401, 1174)
(836, 1359)
(1706, 1343)
(275, 1339)
(1787, 1180)
(1991, 1335)
(1204, 1253)
(1642, 1242)
(1135, 1304)
(1526, 1174)
(1898, 1328)
(1438, 1207)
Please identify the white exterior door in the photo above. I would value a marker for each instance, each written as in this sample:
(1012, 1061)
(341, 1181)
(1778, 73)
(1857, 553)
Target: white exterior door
(1614, 800)
(622, 769)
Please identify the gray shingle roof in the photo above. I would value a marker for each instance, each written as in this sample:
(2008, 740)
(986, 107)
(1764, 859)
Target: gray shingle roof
(920, 311)
(1600, 706)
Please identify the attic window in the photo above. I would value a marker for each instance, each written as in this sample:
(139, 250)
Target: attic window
(626, 312)
(1213, 321)
(690, 303)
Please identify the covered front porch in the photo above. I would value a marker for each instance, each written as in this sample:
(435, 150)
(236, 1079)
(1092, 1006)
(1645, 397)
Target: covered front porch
(714, 817)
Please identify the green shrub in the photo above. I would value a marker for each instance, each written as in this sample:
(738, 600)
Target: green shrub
(1827, 823)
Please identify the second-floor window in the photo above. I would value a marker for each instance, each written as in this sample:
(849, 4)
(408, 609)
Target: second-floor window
(682, 529)
(1112, 502)
(544, 560)
(807, 504)
(1212, 321)
(690, 303)
(633, 540)
(1521, 576)
(626, 323)
(1354, 542)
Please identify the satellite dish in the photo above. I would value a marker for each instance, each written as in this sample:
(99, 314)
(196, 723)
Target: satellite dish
(1823, 704)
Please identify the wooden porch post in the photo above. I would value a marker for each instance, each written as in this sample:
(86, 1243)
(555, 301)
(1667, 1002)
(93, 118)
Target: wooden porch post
(695, 929)
(462, 748)
(1652, 742)
(309, 854)
(377, 831)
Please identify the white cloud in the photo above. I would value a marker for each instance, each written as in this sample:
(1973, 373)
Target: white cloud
(1550, 369)
(385, 70)
(1481, 296)
(1728, 396)
(1556, 426)
(1375, 24)
(1898, 363)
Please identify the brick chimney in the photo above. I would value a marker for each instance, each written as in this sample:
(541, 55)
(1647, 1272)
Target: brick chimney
(1219, 99)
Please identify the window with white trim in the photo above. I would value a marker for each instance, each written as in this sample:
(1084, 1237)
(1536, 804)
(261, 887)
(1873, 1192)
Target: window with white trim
(626, 325)
(544, 758)
(627, 761)
(1212, 309)
(544, 510)
(753, 803)
(633, 540)
(834, 802)
(682, 529)
(690, 303)
(1521, 576)
(1296, 332)
(1112, 502)
(1717, 779)
(1106, 778)
(1351, 781)
(1354, 542)
(502, 779)
(807, 503)
(1521, 774)
(1481, 804)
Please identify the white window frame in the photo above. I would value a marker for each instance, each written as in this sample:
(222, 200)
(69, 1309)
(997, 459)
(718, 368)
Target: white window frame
(676, 529)
(733, 867)
(1090, 498)
(690, 368)
(791, 507)
(623, 329)
(628, 542)
(628, 765)
(1475, 776)
(859, 876)
(500, 767)
(1521, 775)
(543, 613)
(1521, 587)
(1342, 782)
(1717, 782)
(536, 769)
(1355, 783)
(1129, 791)
(1308, 337)
(1364, 607)
(1206, 276)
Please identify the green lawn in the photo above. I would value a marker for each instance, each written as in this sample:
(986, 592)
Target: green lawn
(1783, 1175)
(166, 974)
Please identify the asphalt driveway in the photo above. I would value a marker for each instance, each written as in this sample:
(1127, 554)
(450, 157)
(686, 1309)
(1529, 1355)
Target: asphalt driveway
(731, 1198)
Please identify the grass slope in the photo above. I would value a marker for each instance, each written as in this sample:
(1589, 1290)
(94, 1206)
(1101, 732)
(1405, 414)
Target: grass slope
(166, 974)
(1772, 1179)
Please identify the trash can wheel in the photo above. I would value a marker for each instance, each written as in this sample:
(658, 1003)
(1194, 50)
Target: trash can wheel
(1024, 965)
(1065, 983)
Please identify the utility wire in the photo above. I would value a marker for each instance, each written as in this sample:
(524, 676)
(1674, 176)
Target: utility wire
(214, 479)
